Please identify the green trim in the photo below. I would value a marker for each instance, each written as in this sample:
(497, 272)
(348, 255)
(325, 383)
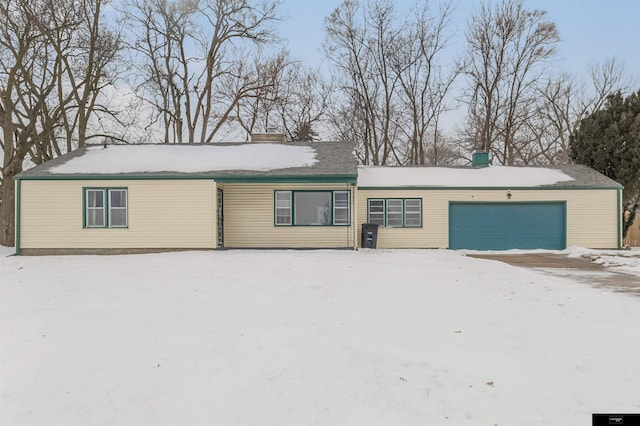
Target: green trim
(384, 211)
(480, 188)
(289, 179)
(222, 179)
(84, 207)
(18, 213)
(509, 202)
(292, 193)
(119, 177)
(106, 203)
(619, 199)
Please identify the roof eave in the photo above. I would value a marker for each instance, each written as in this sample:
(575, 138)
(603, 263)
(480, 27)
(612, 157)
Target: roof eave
(320, 178)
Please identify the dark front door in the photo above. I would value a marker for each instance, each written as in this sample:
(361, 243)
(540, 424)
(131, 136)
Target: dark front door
(220, 219)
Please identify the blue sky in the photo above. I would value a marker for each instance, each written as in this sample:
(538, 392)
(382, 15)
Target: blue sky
(590, 30)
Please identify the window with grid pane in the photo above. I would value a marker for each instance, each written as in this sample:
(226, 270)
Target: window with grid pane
(413, 212)
(95, 212)
(117, 208)
(394, 213)
(283, 207)
(341, 208)
(375, 212)
(105, 208)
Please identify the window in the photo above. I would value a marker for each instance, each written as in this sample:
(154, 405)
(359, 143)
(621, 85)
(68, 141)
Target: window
(341, 211)
(105, 208)
(413, 212)
(312, 208)
(395, 212)
(95, 208)
(283, 207)
(117, 208)
(376, 212)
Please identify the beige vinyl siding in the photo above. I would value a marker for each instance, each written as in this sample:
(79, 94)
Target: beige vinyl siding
(161, 214)
(592, 215)
(249, 219)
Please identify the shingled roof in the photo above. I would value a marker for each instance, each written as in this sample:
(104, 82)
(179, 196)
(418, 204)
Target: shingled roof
(561, 176)
(218, 160)
(317, 160)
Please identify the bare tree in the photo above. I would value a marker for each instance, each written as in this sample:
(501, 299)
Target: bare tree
(291, 98)
(192, 56)
(563, 102)
(394, 85)
(87, 51)
(360, 48)
(53, 63)
(259, 111)
(425, 85)
(508, 49)
(306, 106)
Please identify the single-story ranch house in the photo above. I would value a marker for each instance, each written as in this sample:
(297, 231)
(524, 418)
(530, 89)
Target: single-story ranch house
(142, 198)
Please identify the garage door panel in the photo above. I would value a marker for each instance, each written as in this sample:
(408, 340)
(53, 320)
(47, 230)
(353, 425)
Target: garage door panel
(504, 226)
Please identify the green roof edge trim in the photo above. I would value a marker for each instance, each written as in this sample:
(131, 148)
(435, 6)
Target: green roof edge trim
(288, 179)
(222, 179)
(502, 188)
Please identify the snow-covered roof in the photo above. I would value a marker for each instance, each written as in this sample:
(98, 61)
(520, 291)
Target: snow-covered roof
(187, 159)
(215, 160)
(488, 177)
(316, 160)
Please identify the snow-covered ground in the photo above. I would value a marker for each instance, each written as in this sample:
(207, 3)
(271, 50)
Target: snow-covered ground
(375, 337)
(618, 260)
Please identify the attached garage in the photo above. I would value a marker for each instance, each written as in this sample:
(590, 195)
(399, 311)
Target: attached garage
(490, 208)
(504, 226)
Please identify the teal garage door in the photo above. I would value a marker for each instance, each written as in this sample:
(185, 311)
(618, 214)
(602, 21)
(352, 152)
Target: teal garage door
(504, 226)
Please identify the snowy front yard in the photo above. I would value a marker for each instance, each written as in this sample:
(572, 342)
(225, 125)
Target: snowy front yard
(309, 338)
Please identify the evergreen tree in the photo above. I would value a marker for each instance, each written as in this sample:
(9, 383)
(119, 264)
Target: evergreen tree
(608, 140)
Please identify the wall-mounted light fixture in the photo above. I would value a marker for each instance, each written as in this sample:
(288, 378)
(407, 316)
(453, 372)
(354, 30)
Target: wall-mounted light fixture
(508, 194)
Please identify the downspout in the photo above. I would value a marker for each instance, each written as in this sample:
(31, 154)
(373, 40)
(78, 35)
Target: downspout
(17, 220)
(350, 224)
(619, 194)
(355, 215)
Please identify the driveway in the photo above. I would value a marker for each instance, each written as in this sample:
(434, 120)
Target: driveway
(581, 268)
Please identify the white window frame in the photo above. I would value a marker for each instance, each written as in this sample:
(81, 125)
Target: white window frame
(89, 208)
(382, 218)
(346, 208)
(418, 212)
(381, 214)
(291, 208)
(288, 208)
(106, 207)
(125, 208)
(394, 203)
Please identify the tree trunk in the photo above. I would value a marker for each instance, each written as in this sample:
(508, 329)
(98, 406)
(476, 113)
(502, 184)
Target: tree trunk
(7, 211)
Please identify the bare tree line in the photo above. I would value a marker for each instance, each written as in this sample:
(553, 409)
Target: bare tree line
(394, 86)
(201, 70)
